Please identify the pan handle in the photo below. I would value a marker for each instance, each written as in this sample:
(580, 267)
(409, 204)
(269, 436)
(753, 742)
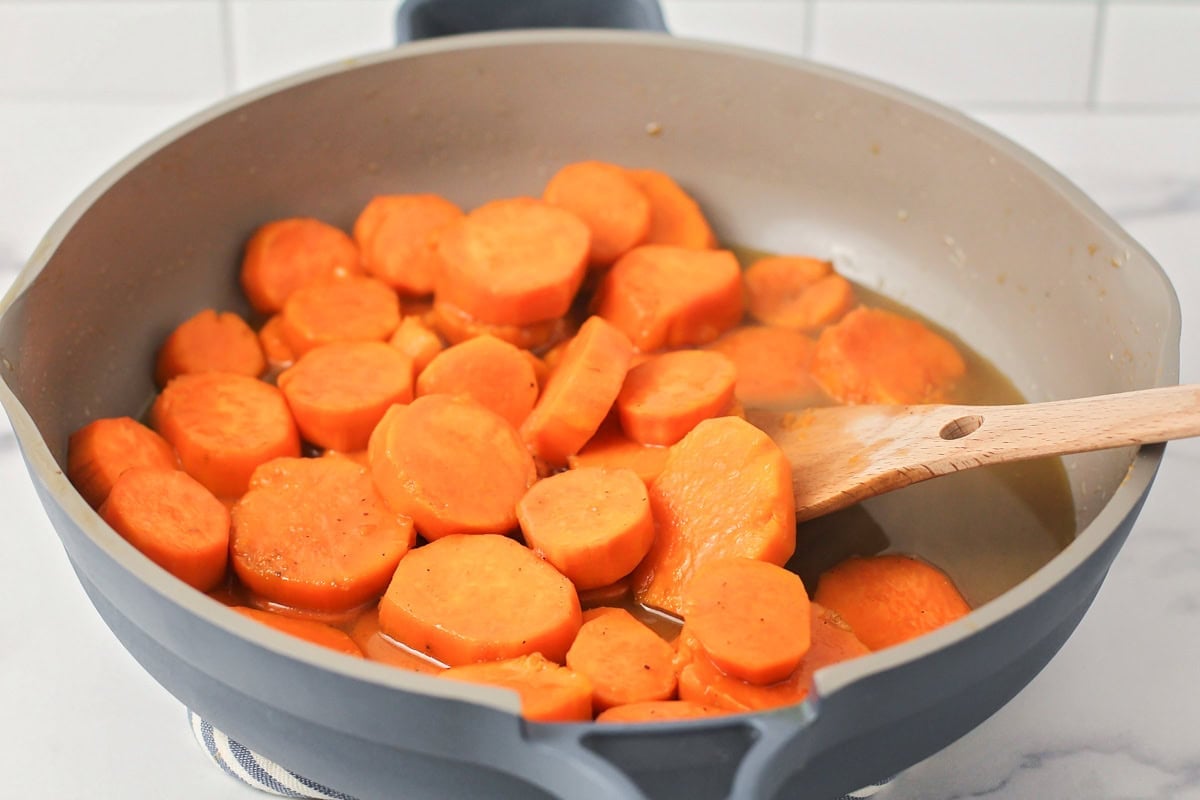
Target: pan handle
(744, 756)
(427, 19)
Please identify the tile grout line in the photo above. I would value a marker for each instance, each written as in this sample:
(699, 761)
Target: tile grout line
(1112, 108)
(228, 57)
(809, 34)
(1099, 32)
(1125, 109)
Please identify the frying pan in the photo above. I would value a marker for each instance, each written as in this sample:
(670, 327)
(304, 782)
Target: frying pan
(943, 214)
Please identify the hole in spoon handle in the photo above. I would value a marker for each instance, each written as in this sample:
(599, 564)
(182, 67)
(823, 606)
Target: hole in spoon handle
(961, 427)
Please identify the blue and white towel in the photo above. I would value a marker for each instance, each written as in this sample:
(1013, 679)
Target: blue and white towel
(251, 768)
(265, 775)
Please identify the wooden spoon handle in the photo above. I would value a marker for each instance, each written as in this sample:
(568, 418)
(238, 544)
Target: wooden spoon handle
(843, 454)
(994, 434)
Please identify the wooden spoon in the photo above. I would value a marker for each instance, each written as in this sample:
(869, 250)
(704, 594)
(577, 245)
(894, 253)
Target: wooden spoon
(843, 454)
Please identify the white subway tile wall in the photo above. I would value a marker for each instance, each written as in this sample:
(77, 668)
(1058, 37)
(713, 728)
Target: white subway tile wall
(1037, 53)
(84, 81)
(60, 146)
(776, 25)
(132, 50)
(268, 44)
(1151, 54)
(1032, 53)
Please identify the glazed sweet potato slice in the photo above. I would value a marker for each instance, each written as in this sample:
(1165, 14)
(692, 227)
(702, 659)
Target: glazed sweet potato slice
(452, 465)
(397, 235)
(700, 681)
(611, 204)
(456, 326)
(100, 451)
(891, 598)
(223, 426)
(351, 309)
(548, 692)
(625, 661)
(286, 254)
(877, 356)
(593, 524)
(675, 218)
(579, 392)
(173, 521)
(726, 490)
(318, 633)
(666, 396)
(312, 533)
(418, 341)
(275, 347)
(750, 617)
(665, 296)
(773, 366)
(467, 598)
(210, 342)
(517, 262)
(796, 292)
(338, 392)
(492, 372)
(611, 448)
(658, 711)
(377, 646)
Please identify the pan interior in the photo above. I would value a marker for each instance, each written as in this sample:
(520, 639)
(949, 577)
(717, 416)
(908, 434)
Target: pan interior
(955, 224)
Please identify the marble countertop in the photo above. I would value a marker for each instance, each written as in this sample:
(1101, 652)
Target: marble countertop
(1116, 714)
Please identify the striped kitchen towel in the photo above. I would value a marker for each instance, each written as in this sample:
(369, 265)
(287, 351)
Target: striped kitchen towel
(251, 768)
(265, 775)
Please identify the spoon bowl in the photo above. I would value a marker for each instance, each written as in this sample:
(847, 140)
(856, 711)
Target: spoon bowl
(841, 455)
